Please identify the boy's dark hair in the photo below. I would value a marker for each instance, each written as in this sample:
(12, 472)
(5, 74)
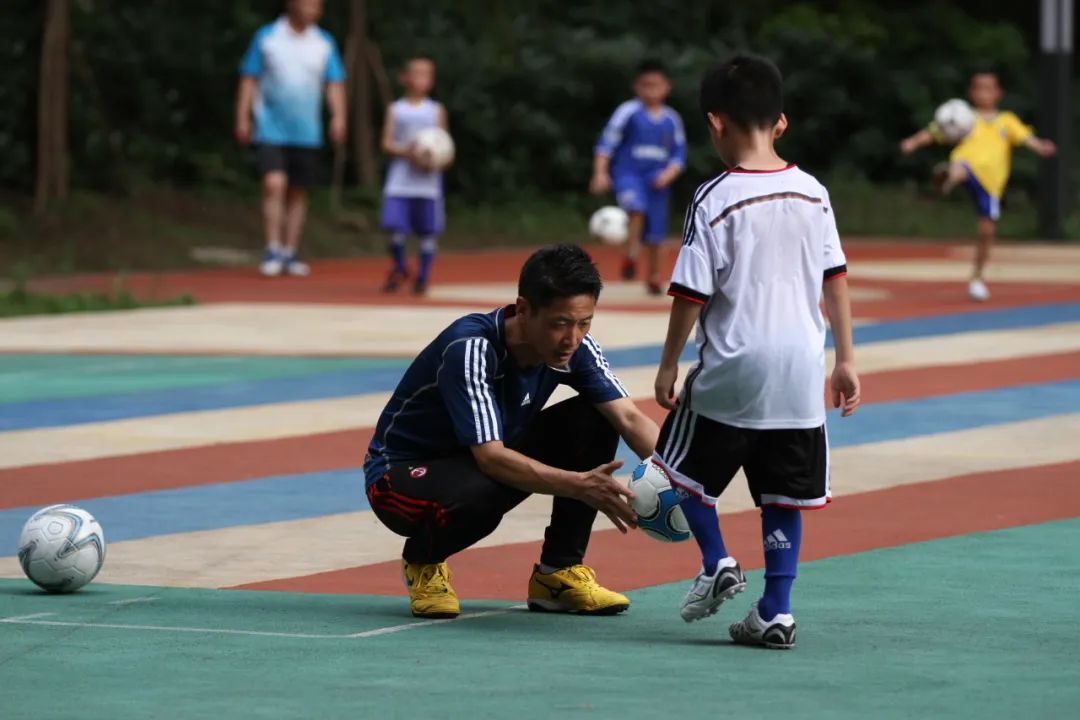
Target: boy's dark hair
(650, 65)
(416, 58)
(747, 88)
(984, 70)
(558, 271)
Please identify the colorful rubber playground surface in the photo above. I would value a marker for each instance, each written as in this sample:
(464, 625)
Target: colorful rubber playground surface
(220, 447)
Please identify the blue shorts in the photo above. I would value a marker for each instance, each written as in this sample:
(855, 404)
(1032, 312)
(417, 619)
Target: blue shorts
(635, 193)
(986, 205)
(410, 215)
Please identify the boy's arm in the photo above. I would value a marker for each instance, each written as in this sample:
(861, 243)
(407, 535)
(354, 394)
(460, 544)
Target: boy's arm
(245, 95)
(845, 381)
(919, 140)
(611, 138)
(442, 119)
(335, 101)
(678, 156)
(684, 313)
(600, 182)
(388, 146)
(1040, 146)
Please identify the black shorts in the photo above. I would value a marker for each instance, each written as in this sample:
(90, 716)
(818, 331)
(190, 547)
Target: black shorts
(787, 468)
(302, 165)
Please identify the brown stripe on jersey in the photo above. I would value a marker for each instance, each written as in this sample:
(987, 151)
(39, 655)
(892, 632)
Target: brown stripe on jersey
(760, 199)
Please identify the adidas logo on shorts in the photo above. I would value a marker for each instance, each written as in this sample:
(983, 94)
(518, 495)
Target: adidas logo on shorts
(777, 540)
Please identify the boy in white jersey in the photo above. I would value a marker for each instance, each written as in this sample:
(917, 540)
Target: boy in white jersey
(413, 193)
(760, 246)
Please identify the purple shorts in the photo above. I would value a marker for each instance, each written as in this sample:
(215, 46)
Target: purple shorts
(409, 215)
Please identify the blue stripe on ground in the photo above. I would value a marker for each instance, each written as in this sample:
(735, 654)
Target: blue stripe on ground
(293, 497)
(73, 411)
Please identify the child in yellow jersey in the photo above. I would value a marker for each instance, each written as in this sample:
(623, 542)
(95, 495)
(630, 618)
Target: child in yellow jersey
(981, 161)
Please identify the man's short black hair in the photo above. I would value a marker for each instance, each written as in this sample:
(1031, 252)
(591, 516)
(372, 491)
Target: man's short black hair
(748, 89)
(650, 65)
(558, 271)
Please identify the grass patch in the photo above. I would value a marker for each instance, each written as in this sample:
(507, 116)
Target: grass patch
(19, 301)
(160, 228)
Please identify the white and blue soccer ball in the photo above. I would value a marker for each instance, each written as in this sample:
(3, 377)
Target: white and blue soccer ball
(657, 504)
(610, 225)
(61, 548)
(954, 119)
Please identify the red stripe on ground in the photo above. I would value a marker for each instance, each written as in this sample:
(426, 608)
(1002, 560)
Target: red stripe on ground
(229, 462)
(854, 523)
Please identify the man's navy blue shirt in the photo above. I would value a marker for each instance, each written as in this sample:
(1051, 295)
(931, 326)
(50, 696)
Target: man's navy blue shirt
(465, 389)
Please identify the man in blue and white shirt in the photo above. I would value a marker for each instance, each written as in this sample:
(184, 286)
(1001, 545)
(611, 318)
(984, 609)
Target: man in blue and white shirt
(465, 438)
(282, 77)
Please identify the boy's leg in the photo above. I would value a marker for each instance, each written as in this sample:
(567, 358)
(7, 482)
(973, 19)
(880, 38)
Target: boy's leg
(394, 220)
(701, 457)
(302, 167)
(428, 220)
(653, 234)
(988, 209)
(630, 194)
(950, 175)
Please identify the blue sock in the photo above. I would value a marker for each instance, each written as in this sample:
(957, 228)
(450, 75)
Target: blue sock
(428, 246)
(397, 251)
(706, 528)
(781, 529)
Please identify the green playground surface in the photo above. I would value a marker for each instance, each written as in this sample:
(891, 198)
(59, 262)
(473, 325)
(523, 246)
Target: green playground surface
(982, 625)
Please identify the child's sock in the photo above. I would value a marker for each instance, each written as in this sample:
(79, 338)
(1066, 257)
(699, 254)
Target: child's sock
(428, 246)
(782, 530)
(397, 252)
(706, 528)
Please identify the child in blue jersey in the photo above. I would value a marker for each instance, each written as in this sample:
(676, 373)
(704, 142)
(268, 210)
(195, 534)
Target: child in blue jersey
(413, 193)
(282, 78)
(641, 151)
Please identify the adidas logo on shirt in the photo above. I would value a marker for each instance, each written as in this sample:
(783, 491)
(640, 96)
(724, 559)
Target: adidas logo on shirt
(776, 540)
(526, 401)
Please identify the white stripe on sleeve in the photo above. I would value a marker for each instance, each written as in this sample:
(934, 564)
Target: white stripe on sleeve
(602, 363)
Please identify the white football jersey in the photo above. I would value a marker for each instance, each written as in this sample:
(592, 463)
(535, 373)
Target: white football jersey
(757, 247)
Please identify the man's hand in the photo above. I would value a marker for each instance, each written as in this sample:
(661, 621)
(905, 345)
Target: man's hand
(666, 177)
(243, 131)
(600, 183)
(664, 387)
(599, 489)
(337, 130)
(845, 389)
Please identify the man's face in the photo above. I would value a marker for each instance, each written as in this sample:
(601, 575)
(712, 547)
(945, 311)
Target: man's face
(984, 91)
(556, 331)
(306, 12)
(652, 88)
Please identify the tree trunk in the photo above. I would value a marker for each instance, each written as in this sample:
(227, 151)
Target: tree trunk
(52, 151)
(360, 80)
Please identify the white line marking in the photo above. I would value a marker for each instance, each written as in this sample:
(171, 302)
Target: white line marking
(17, 619)
(30, 620)
(129, 601)
(423, 623)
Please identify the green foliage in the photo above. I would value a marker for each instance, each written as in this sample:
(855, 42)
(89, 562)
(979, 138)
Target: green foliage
(528, 83)
(19, 300)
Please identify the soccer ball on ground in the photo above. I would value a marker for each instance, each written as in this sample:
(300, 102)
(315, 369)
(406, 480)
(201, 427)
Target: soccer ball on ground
(436, 146)
(657, 504)
(610, 225)
(61, 548)
(954, 119)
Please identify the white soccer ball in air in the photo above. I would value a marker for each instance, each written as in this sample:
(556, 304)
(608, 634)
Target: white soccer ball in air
(610, 225)
(436, 146)
(61, 548)
(954, 119)
(657, 504)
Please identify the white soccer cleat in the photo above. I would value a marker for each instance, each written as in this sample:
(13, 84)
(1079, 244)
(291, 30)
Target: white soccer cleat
(272, 264)
(778, 633)
(978, 291)
(296, 268)
(709, 592)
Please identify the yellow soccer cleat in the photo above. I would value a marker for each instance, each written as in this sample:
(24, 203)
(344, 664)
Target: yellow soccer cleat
(429, 590)
(573, 590)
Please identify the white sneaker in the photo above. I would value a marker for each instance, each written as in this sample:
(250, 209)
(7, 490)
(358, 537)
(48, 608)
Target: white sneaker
(295, 268)
(978, 291)
(709, 592)
(778, 633)
(272, 264)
